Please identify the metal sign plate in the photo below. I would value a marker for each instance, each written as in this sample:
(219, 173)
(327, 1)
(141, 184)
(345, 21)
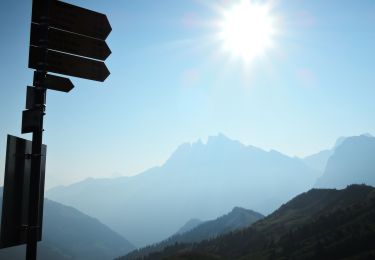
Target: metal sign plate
(72, 18)
(16, 192)
(54, 82)
(31, 121)
(63, 63)
(32, 96)
(70, 42)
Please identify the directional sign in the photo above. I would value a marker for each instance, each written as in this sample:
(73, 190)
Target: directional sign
(73, 19)
(56, 83)
(63, 63)
(70, 42)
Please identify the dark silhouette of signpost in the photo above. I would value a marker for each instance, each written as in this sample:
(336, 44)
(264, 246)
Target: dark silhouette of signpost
(65, 39)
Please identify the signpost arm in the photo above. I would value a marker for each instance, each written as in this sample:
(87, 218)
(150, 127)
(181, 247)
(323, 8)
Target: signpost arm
(35, 175)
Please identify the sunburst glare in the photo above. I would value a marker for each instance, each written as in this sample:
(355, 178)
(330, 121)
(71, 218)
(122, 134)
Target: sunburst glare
(247, 29)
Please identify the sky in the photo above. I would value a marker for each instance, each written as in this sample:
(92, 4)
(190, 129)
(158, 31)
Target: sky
(171, 82)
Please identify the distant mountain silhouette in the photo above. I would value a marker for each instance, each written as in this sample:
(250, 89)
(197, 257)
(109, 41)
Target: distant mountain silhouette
(237, 219)
(353, 161)
(191, 224)
(319, 160)
(70, 234)
(198, 180)
(319, 224)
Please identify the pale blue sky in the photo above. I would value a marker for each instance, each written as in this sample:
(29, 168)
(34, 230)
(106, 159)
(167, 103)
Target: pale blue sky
(171, 83)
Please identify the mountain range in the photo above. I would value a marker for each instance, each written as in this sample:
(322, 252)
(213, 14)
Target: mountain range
(205, 180)
(237, 219)
(201, 180)
(70, 234)
(318, 224)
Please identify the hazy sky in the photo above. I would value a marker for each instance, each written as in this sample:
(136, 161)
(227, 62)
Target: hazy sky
(171, 82)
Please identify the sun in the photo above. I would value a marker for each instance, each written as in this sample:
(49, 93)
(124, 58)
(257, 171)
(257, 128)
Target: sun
(247, 29)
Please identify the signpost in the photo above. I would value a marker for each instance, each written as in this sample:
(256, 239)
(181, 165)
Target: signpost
(65, 39)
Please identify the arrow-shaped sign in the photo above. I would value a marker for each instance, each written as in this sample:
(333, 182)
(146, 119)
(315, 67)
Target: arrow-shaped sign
(57, 83)
(70, 42)
(73, 19)
(63, 63)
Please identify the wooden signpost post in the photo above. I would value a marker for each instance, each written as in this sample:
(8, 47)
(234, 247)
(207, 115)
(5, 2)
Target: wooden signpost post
(65, 39)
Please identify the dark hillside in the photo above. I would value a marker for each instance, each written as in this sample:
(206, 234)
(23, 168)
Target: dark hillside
(319, 224)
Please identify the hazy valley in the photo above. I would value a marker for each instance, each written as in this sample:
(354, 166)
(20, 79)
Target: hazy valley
(204, 181)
